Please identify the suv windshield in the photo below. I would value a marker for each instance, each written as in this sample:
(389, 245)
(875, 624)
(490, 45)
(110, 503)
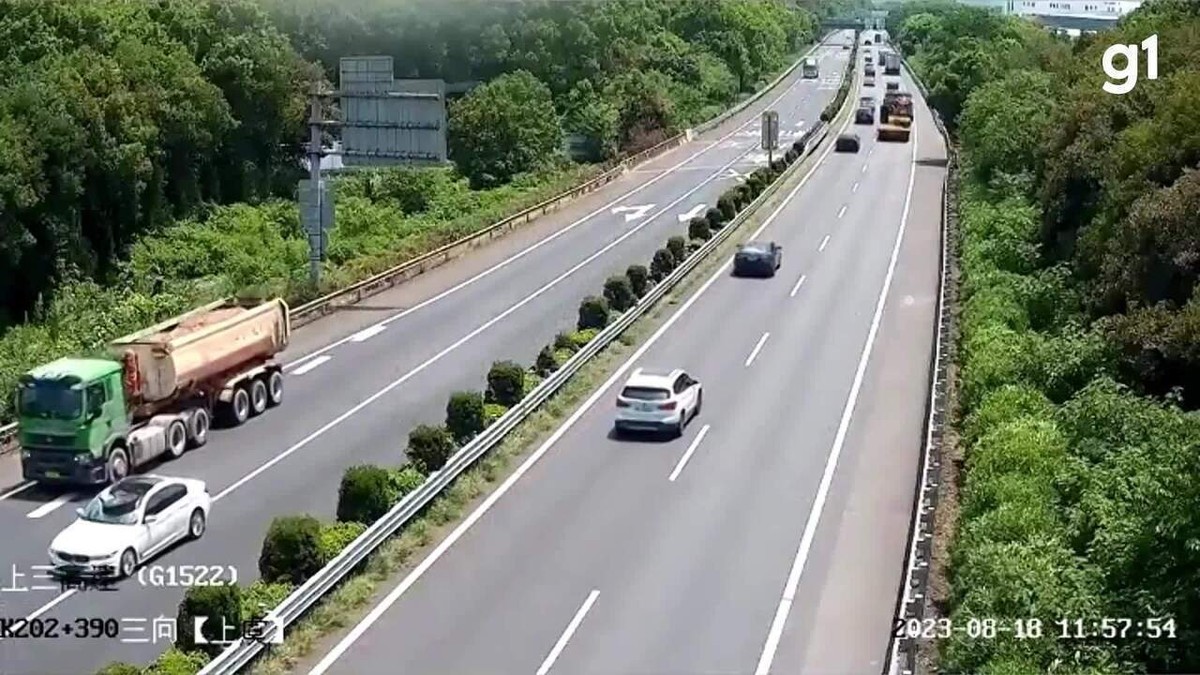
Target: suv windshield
(118, 505)
(646, 394)
(49, 399)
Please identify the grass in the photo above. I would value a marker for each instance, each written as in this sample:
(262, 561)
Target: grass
(345, 606)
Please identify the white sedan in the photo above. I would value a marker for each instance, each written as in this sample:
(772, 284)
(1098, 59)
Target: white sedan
(128, 523)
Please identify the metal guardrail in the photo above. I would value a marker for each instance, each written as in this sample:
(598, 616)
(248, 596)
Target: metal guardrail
(242, 652)
(356, 292)
(912, 601)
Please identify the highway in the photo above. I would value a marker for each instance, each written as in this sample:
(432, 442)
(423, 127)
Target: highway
(358, 381)
(771, 536)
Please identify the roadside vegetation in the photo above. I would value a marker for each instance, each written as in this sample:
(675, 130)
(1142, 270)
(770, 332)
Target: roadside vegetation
(150, 150)
(1078, 373)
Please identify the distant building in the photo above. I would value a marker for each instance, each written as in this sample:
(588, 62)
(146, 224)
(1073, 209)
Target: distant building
(1073, 16)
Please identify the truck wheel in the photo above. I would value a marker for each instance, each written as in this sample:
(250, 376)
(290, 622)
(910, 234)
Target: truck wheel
(258, 397)
(176, 439)
(118, 465)
(201, 422)
(237, 411)
(275, 389)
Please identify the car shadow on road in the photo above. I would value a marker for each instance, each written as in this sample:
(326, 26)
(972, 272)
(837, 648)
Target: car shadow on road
(640, 437)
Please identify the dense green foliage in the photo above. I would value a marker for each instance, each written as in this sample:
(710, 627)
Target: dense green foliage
(221, 603)
(623, 73)
(1080, 497)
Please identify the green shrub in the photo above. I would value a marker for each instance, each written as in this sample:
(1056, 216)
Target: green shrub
(464, 415)
(563, 341)
(825, 116)
(798, 147)
(291, 551)
(727, 206)
(1002, 405)
(493, 412)
(639, 279)
(662, 265)
(506, 383)
(593, 313)
(546, 363)
(429, 447)
(619, 293)
(175, 661)
(337, 536)
(745, 195)
(222, 604)
(678, 247)
(716, 219)
(580, 338)
(117, 668)
(698, 228)
(407, 478)
(563, 355)
(778, 165)
(364, 494)
(791, 156)
(260, 597)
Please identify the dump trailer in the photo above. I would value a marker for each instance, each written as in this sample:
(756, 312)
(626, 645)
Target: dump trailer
(891, 63)
(92, 421)
(895, 117)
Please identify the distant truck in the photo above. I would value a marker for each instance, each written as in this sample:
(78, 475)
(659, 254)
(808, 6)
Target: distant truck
(809, 68)
(92, 421)
(895, 117)
(891, 63)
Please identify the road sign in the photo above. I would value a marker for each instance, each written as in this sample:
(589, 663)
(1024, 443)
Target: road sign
(770, 130)
(389, 121)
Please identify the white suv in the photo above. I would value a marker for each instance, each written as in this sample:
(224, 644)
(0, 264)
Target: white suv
(658, 400)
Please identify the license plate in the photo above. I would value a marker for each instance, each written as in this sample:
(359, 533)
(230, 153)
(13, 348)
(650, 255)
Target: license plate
(647, 406)
(53, 474)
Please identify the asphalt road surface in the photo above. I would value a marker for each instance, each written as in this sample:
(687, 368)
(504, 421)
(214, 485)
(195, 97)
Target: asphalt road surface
(771, 536)
(360, 380)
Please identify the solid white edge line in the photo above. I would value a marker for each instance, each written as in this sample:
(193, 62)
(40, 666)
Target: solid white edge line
(757, 348)
(555, 235)
(688, 453)
(312, 364)
(380, 609)
(796, 288)
(775, 634)
(18, 489)
(824, 243)
(51, 506)
(566, 636)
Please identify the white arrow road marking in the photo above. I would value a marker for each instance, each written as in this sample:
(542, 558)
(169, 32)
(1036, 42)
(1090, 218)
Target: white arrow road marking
(694, 213)
(739, 177)
(757, 158)
(633, 212)
(731, 145)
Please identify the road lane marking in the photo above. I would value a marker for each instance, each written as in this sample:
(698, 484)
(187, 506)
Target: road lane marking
(415, 575)
(864, 168)
(694, 213)
(688, 454)
(368, 333)
(20, 624)
(18, 489)
(842, 212)
(566, 636)
(796, 288)
(757, 348)
(855, 188)
(555, 235)
(775, 634)
(312, 365)
(52, 506)
(824, 243)
(633, 212)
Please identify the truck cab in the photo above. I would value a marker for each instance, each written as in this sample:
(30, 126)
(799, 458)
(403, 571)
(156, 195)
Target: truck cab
(70, 411)
(809, 68)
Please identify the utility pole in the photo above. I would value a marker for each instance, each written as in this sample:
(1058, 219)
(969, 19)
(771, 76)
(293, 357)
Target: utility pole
(316, 199)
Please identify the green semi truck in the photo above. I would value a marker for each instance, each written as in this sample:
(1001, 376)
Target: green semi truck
(92, 421)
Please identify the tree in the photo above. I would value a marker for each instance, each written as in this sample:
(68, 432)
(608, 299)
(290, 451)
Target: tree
(505, 127)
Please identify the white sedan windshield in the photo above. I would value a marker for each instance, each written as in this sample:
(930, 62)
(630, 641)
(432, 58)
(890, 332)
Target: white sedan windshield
(115, 509)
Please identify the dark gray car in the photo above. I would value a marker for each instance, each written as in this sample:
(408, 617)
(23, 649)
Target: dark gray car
(757, 258)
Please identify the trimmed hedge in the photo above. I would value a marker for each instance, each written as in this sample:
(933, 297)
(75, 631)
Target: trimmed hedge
(639, 279)
(364, 494)
(291, 551)
(222, 604)
(662, 265)
(618, 292)
(430, 446)
(593, 314)
(464, 415)
(505, 383)
(699, 228)
(677, 245)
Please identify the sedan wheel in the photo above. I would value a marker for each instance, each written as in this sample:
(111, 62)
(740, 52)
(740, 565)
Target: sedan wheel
(128, 563)
(196, 524)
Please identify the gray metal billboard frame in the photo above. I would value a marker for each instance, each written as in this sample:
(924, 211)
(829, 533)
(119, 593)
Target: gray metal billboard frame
(388, 122)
